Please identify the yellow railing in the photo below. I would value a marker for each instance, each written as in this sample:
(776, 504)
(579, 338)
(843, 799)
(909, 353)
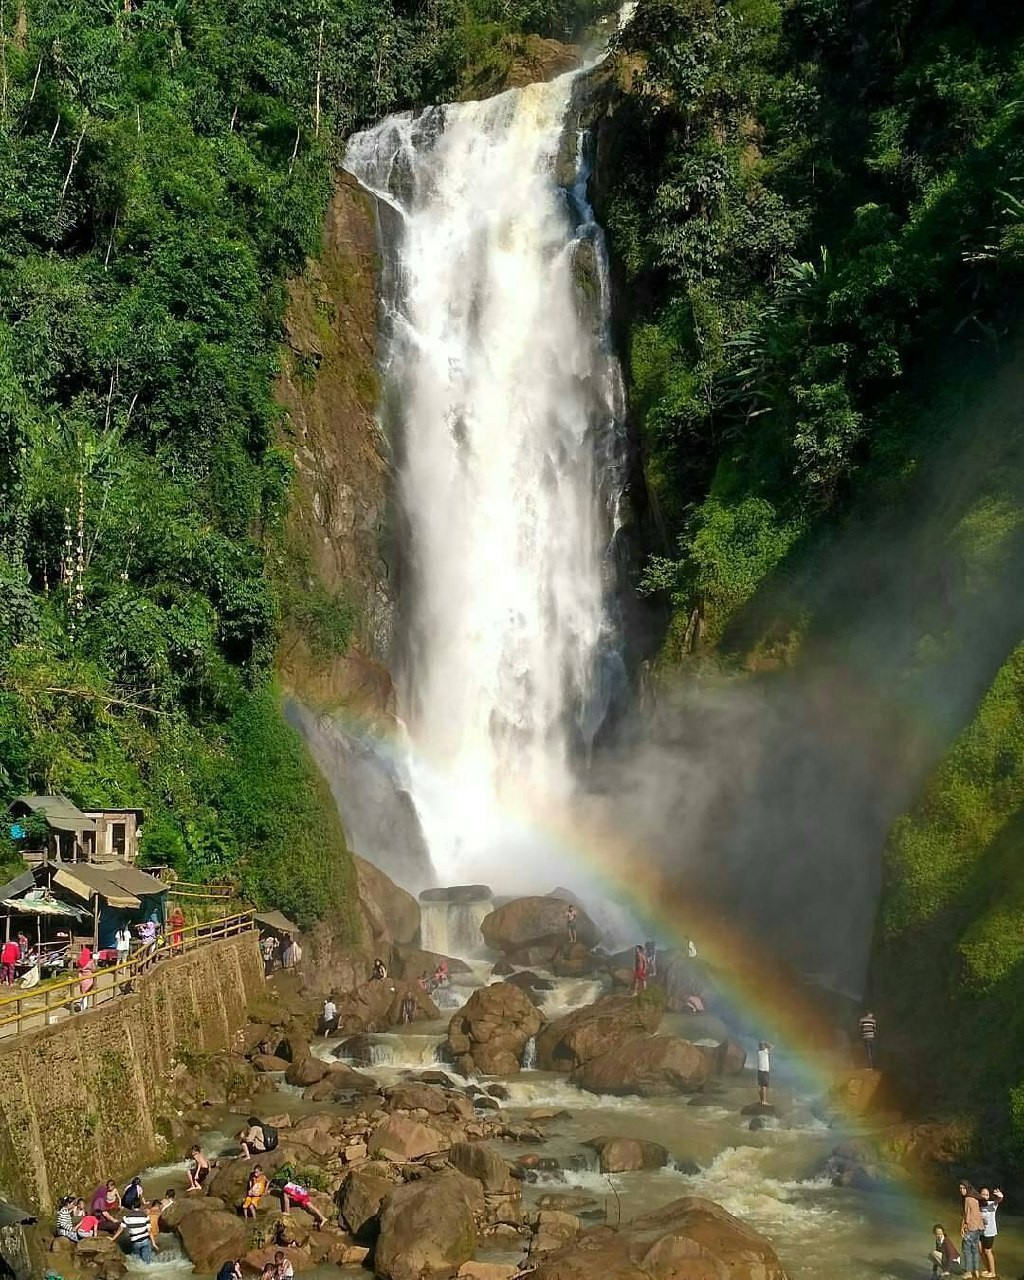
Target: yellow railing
(51, 1001)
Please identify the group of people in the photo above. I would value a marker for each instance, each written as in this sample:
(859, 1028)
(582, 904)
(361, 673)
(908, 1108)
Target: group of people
(280, 1269)
(438, 981)
(978, 1233)
(283, 952)
(115, 1213)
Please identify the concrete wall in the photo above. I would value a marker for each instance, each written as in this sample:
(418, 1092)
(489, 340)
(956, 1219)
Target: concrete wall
(80, 1101)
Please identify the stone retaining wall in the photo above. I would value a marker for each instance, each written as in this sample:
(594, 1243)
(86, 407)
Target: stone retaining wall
(80, 1101)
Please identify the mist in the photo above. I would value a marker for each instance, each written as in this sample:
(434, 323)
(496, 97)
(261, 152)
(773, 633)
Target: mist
(771, 792)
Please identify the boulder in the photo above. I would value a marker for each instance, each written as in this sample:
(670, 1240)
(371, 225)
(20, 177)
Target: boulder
(649, 1066)
(428, 1227)
(534, 922)
(857, 1164)
(474, 1270)
(554, 1229)
(377, 1006)
(269, 1062)
(392, 914)
(305, 1071)
(362, 1194)
(293, 1047)
(857, 1092)
(491, 1030)
(569, 1043)
(172, 1217)
(256, 1259)
(209, 1238)
(476, 1160)
(573, 961)
(416, 1097)
(408, 963)
(624, 1155)
(730, 1058)
(692, 1238)
(229, 1179)
(400, 1138)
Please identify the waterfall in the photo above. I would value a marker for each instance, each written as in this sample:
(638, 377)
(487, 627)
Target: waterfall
(450, 919)
(503, 400)
(529, 1062)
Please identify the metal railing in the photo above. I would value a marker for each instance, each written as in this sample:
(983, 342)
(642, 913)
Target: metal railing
(53, 1001)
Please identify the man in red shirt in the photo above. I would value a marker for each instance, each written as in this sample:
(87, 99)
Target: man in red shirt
(9, 956)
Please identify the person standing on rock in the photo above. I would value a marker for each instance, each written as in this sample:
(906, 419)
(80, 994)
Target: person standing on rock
(868, 1030)
(330, 1018)
(764, 1071)
(198, 1169)
(257, 1188)
(639, 970)
(970, 1231)
(651, 952)
(570, 924)
(989, 1206)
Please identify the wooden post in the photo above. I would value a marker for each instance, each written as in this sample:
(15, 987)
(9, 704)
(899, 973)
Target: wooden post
(95, 922)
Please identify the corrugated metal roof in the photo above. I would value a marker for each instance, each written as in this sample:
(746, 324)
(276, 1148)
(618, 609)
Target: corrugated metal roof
(131, 879)
(276, 921)
(18, 885)
(59, 812)
(12, 1216)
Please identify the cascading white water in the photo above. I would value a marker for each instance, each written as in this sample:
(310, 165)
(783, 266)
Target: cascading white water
(504, 401)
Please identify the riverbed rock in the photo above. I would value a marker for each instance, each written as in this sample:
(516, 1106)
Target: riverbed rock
(210, 1237)
(553, 1230)
(649, 1066)
(476, 1160)
(392, 914)
(568, 1043)
(534, 922)
(428, 1227)
(691, 1238)
(408, 963)
(416, 1097)
(625, 1155)
(305, 1071)
(573, 961)
(857, 1092)
(491, 1030)
(377, 1005)
(362, 1194)
(730, 1058)
(269, 1062)
(400, 1138)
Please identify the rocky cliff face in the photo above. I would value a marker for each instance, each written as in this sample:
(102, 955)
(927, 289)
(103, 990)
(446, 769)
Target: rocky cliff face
(336, 526)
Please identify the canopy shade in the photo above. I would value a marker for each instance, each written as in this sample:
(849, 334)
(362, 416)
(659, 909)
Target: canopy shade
(12, 1216)
(86, 882)
(276, 921)
(32, 905)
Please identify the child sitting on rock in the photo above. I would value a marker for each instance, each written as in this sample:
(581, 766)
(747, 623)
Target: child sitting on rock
(944, 1256)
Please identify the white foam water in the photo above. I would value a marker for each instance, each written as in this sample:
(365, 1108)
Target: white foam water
(504, 401)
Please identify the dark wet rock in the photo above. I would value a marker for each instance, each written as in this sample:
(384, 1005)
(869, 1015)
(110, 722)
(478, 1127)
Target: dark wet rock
(759, 1109)
(763, 1122)
(305, 1071)
(416, 1097)
(499, 1091)
(392, 914)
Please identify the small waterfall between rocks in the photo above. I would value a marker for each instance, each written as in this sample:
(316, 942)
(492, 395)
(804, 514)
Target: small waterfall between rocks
(450, 919)
(503, 400)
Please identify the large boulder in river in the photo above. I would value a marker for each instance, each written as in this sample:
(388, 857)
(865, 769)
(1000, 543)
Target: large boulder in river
(399, 1138)
(377, 1005)
(649, 1066)
(208, 1238)
(408, 963)
(689, 1239)
(569, 1043)
(428, 1227)
(362, 1194)
(625, 1155)
(526, 923)
(490, 1031)
(391, 914)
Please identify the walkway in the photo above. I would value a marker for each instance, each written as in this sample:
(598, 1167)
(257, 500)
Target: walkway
(53, 1001)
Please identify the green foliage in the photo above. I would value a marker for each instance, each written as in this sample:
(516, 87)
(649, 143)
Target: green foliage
(951, 929)
(803, 207)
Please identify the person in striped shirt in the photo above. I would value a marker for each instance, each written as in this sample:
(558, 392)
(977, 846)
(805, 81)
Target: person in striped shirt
(868, 1030)
(140, 1239)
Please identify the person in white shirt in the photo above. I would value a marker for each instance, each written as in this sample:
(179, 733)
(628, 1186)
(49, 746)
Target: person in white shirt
(330, 1022)
(123, 943)
(764, 1071)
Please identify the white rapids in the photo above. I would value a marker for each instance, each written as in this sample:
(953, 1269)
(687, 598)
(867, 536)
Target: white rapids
(504, 402)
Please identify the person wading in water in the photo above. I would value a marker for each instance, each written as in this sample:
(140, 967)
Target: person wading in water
(868, 1030)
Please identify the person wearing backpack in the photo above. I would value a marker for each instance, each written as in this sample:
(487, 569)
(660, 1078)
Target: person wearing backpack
(269, 1136)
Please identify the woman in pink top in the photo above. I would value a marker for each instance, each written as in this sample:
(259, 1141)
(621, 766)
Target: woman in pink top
(10, 953)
